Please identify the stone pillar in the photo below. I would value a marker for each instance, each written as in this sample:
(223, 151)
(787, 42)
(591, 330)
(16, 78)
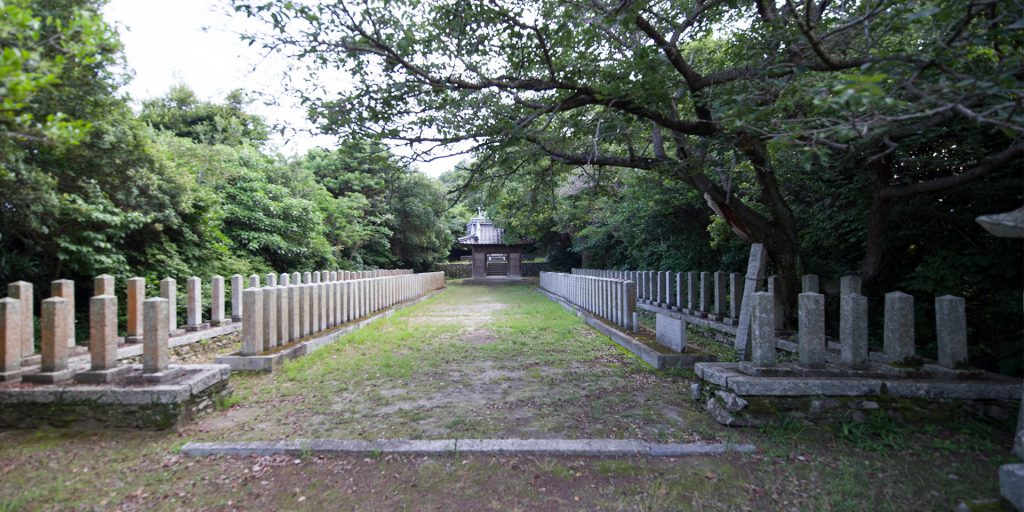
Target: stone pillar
(169, 291)
(849, 285)
(692, 287)
(65, 289)
(195, 304)
(812, 329)
(809, 283)
(296, 278)
(775, 289)
(752, 280)
(254, 282)
(898, 337)
(331, 304)
(333, 276)
(735, 295)
(22, 291)
(10, 339)
(294, 312)
(322, 291)
(720, 282)
(314, 306)
(853, 330)
(103, 285)
(252, 321)
(269, 318)
(316, 277)
(307, 278)
(951, 331)
(284, 279)
(155, 352)
(762, 324)
(236, 298)
(669, 289)
(283, 314)
(680, 291)
(324, 276)
(304, 302)
(217, 300)
(103, 332)
(55, 321)
(136, 293)
(271, 279)
(705, 292)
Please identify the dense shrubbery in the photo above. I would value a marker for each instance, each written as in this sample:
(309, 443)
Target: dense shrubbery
(184, 187)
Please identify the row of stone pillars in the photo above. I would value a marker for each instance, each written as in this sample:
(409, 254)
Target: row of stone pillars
(898, 331)
(714, 295)
(291, 308)
(611, 299)
(57, 320)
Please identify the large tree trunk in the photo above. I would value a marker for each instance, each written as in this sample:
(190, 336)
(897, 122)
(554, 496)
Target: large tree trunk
(878, 217)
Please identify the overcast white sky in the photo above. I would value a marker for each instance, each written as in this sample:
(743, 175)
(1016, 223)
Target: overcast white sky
(196, 42)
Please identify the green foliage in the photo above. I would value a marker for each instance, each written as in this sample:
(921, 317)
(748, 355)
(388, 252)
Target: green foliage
(183, 188)
(183, 114)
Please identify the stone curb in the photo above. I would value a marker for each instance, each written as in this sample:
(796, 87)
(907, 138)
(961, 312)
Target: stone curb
(646, 354)
(577, 447)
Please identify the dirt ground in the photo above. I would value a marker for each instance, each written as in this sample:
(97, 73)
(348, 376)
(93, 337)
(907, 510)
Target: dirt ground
(493, 362)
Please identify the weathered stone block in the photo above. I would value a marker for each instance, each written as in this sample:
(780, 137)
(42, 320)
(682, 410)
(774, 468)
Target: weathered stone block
(735, 295)
(849, 285)
(812, 329)
(284, 314)
(103, 332)
(155, 351)
(103, 285)
(898, 336)
(236, 297)
(705, 291)
(22, 291)
(853, 330)
(671, 332)
(809, 283)
(217, 301)
(763, 329)
(270, 309)
(252, 322)
(951, 330)
(10, 339)
(136, 293)
(65, 288)
(169, 291)
(1011, 484)
(194, 308)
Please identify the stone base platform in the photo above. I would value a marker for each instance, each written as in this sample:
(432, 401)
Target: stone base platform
(739, 394)
(654, 354)
(270, 361)
(194, 390)
(494, 281)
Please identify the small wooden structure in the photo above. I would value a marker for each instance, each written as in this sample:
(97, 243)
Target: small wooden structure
(493, 256)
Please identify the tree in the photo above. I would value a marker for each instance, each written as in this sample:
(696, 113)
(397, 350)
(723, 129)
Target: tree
(700, 92)
(183, 114)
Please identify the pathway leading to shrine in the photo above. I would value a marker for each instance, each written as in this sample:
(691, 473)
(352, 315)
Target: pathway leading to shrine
(475, 362)
(498, 363)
